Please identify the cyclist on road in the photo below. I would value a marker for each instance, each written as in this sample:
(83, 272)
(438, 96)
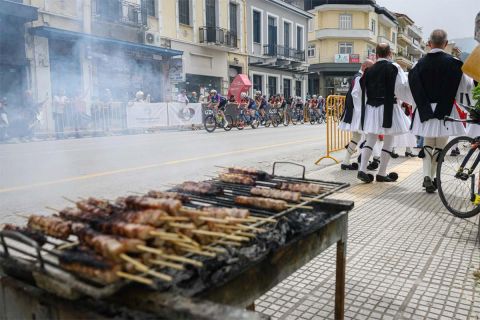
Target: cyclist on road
(218, 103)
(314, 105)
(247, 103)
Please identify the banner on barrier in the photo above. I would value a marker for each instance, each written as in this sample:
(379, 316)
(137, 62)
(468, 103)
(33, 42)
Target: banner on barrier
(181, 114)
(147, 115)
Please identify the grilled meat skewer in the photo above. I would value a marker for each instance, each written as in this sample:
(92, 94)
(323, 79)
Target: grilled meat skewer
(222, 213)
(168, 195)
(108, 246)
(52, 226)
(262, 203)
(151, 217)
(171, 206)
(237, 178)
(89, 265)
(35, 235)
(307, 188)
(200, 188)
(277, 194)
(127, 230)
(259, 174)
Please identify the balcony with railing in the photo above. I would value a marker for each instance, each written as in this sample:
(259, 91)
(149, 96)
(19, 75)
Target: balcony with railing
(383, 39)
(218, 36)
(282, 52)
(120, 11)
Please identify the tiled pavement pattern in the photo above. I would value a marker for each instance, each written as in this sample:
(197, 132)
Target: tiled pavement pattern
(408, 258)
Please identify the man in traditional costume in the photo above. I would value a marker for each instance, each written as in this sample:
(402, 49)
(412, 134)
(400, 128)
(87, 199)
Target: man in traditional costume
(436, 83)
(351, 118)
(379, 89)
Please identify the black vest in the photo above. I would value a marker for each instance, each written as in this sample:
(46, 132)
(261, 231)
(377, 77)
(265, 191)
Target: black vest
(435, 79)
(349, 106)
(378, 86)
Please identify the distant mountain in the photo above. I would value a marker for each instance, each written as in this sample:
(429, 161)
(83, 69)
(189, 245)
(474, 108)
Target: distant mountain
(466, 44)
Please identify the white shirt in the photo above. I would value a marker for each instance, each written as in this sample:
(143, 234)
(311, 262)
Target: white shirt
(182, 98)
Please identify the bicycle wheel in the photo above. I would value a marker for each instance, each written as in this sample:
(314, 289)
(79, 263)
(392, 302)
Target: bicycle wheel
(255, 123)
(210, 123)
(294, 118)
(313, 119)
(286, 120)
(275, 121)
(457, 178)
(240, 124)
(230, 123)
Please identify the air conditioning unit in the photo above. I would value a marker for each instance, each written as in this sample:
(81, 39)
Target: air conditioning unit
(154, 39)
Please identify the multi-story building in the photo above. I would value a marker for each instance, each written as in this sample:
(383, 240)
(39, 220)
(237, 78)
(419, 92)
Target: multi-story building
(14, 66)
(211, 33)
(410, 46)
(277, 37)
(342, 34)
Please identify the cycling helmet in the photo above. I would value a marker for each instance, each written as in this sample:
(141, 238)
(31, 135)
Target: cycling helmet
(258, 93)
(213, 91)
(314, 96)
(243, 95)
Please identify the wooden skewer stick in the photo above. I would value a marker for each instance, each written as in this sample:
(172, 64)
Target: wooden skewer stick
(175, 237)
(182, 225)
(53, 209)
(199, 252)
(237, 227)
(220, 235)
(229, 243)
(182, 259)
(262, 219)
(214, 249)
(190, 211)
(69, 200)
(149, 249)
(143, 268)
(67, 245)
(311, 199)
(172, 265)
(299, 207)
(135, 278)
(173, 218)
(23, 216)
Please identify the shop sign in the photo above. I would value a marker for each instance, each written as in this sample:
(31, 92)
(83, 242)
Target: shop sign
(342, 58)
(175, 73)
(354, 58)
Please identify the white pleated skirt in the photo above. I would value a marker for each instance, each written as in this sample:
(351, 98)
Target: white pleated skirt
(356, 122)
(405, 140)
(473, 130)
(373, 122)
(435, 128)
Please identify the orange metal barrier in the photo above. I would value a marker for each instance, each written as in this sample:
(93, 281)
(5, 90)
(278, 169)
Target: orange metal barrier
(336, 139)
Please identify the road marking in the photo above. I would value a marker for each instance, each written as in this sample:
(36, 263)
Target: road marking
(155, 165)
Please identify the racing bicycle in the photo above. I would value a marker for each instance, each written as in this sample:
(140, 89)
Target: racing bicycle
(214, 119)
(458, 177)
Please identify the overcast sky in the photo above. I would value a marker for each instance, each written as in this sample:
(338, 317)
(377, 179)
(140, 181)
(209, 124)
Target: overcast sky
(457, 17)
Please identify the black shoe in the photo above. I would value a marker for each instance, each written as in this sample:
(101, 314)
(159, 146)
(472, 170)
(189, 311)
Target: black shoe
(421, 154)
(391, 177)
(409, 154)
(352, 167)
(359, 158)
(428, 185)
(394, 155)
(373, 165)
(365, 177)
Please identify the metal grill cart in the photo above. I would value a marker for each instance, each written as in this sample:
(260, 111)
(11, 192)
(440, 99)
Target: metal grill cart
(34, 284)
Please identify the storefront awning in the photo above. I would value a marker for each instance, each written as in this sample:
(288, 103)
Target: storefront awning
(18, 10)
(49, 32)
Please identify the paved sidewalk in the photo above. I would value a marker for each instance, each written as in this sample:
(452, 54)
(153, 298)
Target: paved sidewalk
(408, 258)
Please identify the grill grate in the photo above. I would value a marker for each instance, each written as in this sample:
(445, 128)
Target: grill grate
(25, 254)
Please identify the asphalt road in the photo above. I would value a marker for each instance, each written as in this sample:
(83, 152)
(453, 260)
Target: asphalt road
(39, 174)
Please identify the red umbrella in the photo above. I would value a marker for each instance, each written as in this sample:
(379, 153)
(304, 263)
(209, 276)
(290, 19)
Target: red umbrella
(240, 84)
